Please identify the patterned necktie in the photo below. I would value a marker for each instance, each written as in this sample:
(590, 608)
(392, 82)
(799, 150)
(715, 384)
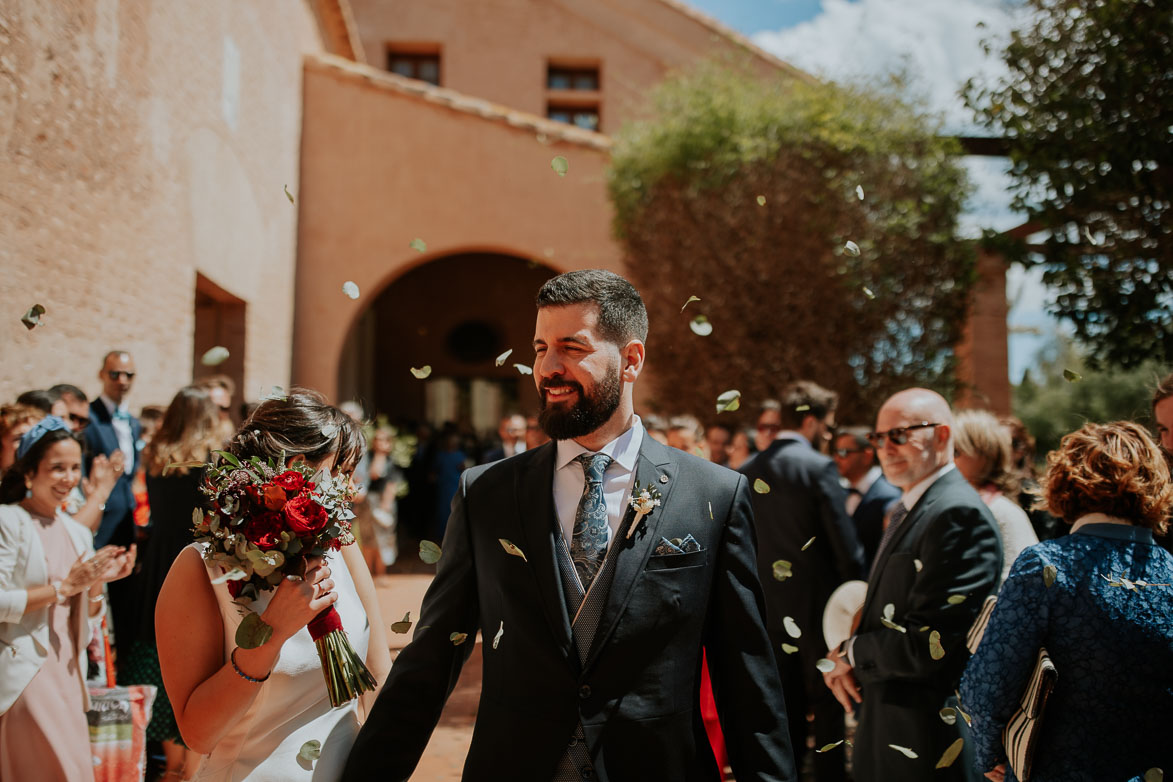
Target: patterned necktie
(898, 514)
(588, 541)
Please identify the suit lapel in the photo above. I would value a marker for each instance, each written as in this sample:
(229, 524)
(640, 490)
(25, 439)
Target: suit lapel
(104, 425)
(536, 520)
(655, 460)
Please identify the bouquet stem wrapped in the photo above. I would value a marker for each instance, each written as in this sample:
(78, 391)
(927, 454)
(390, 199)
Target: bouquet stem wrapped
(346, 675)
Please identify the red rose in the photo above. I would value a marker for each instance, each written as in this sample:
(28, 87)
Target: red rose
(264, 530)
(290, 480)
(305, 517)
(274, 497)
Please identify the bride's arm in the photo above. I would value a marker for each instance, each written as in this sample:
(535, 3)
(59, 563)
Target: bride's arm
(207, 694)
(378, 658)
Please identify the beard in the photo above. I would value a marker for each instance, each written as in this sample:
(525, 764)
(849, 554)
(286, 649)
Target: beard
(589, 413)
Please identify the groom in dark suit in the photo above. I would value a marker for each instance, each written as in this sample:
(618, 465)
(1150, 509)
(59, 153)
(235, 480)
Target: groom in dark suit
(594, 613)
(938, 559)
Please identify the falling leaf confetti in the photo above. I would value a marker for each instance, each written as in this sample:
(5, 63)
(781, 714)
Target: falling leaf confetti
(859, 192)
(691, 299)
(419, 245)
(868, 292)
(700, 326)
(214, 356)
(429, 552)
(288, 194)
(350, 289)
(824, 665)
(761, 200)
(886, 622)
(560, 165)
(512, 549)
(422, 372)
(500, 632)
(1071, 377)
(936, 651)
(252, 632)
(760, 486)
(32, 318)
(791, 627)
(916, 563)
(729, 401)
(889, 610)
(807, 545)
(782, 570)
(829, 747)
(1154, 775)
(852, 249)
(458, 638)
(710, 511)
(1050, 573)
(948, 715)
(951, 754)
(523, 369)
(955, 600)
(403, 625)
(310, 751)
(789, 648)
(905, 751)
(500, 360)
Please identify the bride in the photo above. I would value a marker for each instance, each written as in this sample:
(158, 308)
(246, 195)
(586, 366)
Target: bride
(252, 710)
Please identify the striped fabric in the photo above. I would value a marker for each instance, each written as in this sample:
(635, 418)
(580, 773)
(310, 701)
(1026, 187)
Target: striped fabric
(1022, 732)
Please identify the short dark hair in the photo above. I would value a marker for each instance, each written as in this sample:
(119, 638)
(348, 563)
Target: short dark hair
(858, 435)
(1164, 390)
(12, 488)
(622, 316)
(62, 389)
(805, 397)
(39, 398)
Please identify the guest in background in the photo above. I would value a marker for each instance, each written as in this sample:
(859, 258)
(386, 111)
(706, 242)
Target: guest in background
(77, 405)
(1099, 601)
(534, 436)
(15, 420)
(684, 432)
(189, 433)
(656, 427)
(717, 440)
(869, 495)
(386, 479)
(741, 447)
(1163, 413)
(769, 424)
(1022, 445)
(50, 591)
(221, 388)
(512, 431)
(983, 455)
(48, 402)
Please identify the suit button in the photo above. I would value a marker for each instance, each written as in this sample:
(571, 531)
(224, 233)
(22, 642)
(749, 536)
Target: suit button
(584, 691)
(573, 741)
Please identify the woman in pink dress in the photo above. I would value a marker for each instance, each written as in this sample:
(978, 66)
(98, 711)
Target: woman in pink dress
(50, 585)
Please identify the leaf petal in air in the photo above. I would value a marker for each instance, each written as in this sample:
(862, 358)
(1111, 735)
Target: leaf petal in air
(782, 570)
(761, 200)
(350, 288)
(458, 638)
(309, 752)
(868, 292)
(288, 194)
(252, 632)
(791, 627)
(852, 249)
(948, 715)
(560, 165)
(859, 192)
(829, 747)
(916, 563)
(889, 610)
(729, 401)
(500, 632)
(760, 486)
(905, 751)
(1071, 376)
(429, 552)
(789, 648)
(807, 545)
(418, 244)
(512, 549)
(824, 665)
(1050, 573)
(523, 369)
(32, 318)
(955, 600)
(403, 625)
(691, 299)
(1154, 775)
(886, 622)
(214, 356)
(422, 372)
(951, 754)
(500, 360)
(936, 651)
(700, 326)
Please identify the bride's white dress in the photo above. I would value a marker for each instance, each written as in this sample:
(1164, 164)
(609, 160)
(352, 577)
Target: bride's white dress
(292, 706)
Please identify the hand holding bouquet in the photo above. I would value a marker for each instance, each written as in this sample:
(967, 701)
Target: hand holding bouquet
(265, 522)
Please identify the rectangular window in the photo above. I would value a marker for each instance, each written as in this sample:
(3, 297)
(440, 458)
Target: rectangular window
(424, 66)
(573, 94)
(586, 117)
(560, 78)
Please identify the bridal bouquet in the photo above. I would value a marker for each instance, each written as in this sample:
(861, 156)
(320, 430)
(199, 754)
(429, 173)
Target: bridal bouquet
(260, 524)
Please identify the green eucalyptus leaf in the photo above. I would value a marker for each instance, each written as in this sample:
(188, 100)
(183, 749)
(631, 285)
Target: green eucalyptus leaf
(955, 600)
(807, 545)
(214, 356)
(951, 754)
(403, 625)
(419, 245)
(829, 747)
(761, 200)
(32, 318)
(824, 665)
(523, 369)
(1050, 573)
(510, 548)
(782, 570)
(458, 638)
(700, 326)
(1071, 376)
(936, 651)
(729, 401)
(760, 486)
(789, 648)
(948, 715)
(429, 552)
(791, 627)
(350, 288)
(309, 752)
(288, 194)
(500, 360)
(252, 632)
(422, 372)
(691, 299)
(227, 457)
(905, 751)
(560, 165)
(500, 633)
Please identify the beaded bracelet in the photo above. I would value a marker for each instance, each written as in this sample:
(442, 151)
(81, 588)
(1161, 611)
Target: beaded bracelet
(244, 675)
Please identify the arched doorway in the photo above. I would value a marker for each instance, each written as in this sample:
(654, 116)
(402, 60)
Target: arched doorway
(455, 314)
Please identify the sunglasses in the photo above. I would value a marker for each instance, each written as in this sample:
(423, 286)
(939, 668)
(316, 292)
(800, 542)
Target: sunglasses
(114, 374)
(80, 421)
(842, 453)
(898, 436)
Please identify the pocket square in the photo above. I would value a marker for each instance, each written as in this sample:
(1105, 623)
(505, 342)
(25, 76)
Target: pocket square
(685, 545)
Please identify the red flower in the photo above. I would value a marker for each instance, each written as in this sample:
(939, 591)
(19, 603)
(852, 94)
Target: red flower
(264, 530)
(290, 480)
(274, 497)
(305, 517)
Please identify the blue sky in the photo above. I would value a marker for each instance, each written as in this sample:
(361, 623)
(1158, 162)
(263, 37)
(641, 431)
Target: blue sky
(938, 44)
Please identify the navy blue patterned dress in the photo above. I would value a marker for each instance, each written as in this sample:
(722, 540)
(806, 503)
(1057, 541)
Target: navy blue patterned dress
(1110, 716)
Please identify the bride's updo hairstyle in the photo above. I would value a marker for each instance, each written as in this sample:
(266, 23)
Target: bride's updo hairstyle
(300, 424)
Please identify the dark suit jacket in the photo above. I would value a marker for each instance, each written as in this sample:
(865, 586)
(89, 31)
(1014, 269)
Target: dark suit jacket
(637, 694)
(869, 516)
(117, 524)
(805, 501)
(955, 540)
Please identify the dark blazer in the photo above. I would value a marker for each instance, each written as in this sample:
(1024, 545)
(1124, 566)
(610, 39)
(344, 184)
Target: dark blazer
(805, 501)
(117, 524)
(869, 516)
(947, 545)
(637, 694)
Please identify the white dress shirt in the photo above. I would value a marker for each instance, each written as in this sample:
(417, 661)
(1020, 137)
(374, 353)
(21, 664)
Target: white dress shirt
(618, 480)
(122, 430)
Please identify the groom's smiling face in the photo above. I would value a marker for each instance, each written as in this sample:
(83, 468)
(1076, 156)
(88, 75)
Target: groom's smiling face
(577, 372)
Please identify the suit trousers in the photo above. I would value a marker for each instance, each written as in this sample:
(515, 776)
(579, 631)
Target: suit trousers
(805, 693)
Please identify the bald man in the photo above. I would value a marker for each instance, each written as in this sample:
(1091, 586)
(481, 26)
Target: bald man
(938, 559)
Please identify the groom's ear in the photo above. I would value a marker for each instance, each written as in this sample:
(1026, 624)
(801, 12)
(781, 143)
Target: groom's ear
(631, 360)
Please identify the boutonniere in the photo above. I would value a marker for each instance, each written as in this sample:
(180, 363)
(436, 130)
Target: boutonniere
(642, 501)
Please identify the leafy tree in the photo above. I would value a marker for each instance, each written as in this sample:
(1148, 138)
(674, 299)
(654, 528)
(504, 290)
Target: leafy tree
(1087, 109)
(746, 193)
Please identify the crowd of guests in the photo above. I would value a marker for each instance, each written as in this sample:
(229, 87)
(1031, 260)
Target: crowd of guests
(929, 510)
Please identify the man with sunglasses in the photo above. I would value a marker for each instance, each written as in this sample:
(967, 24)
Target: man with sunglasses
(869, 495)
(112, 428)
(938, 560)
(802, 520)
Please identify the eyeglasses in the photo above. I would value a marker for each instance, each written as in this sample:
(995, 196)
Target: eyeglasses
(898, 436)
(114, 374)
(842, 453)
(769, 427)
(79, 421)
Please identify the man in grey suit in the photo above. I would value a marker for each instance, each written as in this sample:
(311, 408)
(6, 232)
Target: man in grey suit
(594, 600)
(802, 521)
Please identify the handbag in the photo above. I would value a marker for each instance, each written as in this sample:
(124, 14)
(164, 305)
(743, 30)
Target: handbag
(1020, 737)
